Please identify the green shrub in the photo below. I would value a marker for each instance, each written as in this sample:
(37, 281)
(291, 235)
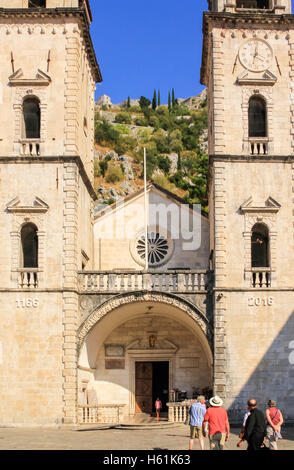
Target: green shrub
(176, 146)
(105, 133)
(164, 163)
(123, 118)
(97, 169)
(162, 110)
(144, 102)
(175, 134)
(160, 140)
(114, 174)
(122, 129)
(103, 167)
(141, 121)
(154, 122)
(125, 144)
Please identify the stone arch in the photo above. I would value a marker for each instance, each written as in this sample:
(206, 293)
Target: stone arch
(183, 342)
(131, 298)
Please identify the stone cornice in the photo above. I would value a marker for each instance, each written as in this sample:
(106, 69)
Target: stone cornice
(60, 159)
(252, 158)
(57, 13)
(237, 20)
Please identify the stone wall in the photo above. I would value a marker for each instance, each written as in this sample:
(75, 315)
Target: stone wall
(31, 362)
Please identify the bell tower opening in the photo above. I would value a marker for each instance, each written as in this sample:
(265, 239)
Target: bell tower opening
(253, 4)
(257, 117)
(37, 3)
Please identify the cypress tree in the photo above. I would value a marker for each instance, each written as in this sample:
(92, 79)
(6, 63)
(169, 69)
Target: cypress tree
(169, 101)
(158, 100)
(129, 102)
(154, 101)
(173, 98)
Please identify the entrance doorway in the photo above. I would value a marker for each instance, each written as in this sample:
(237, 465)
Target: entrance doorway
(152, 381)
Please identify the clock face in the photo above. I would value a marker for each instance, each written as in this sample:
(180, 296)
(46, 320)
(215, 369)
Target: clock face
(256, 55)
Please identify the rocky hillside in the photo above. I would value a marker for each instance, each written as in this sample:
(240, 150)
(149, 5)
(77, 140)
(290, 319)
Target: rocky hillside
(175, 138)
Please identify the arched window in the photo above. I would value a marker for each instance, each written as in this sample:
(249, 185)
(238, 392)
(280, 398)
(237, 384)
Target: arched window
(37, 3)
(257, 4)
(32, 118)
(260, 246)
(29, 246)
(257, 117)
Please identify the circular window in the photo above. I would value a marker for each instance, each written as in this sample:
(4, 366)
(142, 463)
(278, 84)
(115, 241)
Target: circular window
(160, 248)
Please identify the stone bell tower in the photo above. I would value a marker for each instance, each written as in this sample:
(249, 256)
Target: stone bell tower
(48, 71)
(248, 67)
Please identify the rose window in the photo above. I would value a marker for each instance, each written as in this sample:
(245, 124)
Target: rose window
(158, 248)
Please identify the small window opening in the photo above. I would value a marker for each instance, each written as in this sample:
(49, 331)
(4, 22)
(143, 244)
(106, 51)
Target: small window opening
(32, 118)
(260, 246)
(257, 117)
(29, 244)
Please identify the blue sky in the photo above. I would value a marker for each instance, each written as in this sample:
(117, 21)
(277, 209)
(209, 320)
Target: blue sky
(142, 45)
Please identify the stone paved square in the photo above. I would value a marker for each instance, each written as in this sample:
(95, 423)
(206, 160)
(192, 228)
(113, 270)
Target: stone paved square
(176, 438)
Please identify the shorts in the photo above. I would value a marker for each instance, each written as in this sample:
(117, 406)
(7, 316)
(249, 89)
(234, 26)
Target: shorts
(217, 441)
(196, 431)
(270, 434)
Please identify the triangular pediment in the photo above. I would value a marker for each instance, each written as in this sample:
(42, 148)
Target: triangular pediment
(42, 75)
(38, 205)
(41, 79)
(264, 78)
(15, 75)
(270, 205)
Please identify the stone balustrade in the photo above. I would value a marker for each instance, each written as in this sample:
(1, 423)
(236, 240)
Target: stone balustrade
(178, 412)
(258, 146)
(30, 148)
(168, 281)
(102, 414)
(260, 277)
(28, 278)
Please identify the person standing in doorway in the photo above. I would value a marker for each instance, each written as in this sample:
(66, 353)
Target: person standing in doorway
(255, 428)
(197, 412)
(158, 406)
(218, 424)
(275, 420)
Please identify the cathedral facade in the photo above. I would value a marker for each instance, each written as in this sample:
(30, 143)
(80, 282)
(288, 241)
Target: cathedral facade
(89, 332)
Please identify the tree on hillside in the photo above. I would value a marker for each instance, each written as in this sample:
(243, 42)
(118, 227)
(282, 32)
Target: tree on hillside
(154, 101)
(158, 99)
(173, 98)
(129, 102)
(169, 101)
(144, 102)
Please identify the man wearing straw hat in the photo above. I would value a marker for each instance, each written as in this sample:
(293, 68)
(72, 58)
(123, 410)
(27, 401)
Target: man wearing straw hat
(218, 424)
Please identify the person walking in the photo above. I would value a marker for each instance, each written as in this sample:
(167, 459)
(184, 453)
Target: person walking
(158, 406)
(218, 424)
(275, 420)
(241, 435)
(197, 412)
(255, 428)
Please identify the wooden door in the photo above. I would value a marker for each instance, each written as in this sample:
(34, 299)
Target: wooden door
(143, 387)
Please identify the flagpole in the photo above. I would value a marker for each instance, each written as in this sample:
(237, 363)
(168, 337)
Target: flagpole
(146, 212)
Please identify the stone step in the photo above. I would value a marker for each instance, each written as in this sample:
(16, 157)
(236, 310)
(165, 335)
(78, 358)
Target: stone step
(146, 426)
